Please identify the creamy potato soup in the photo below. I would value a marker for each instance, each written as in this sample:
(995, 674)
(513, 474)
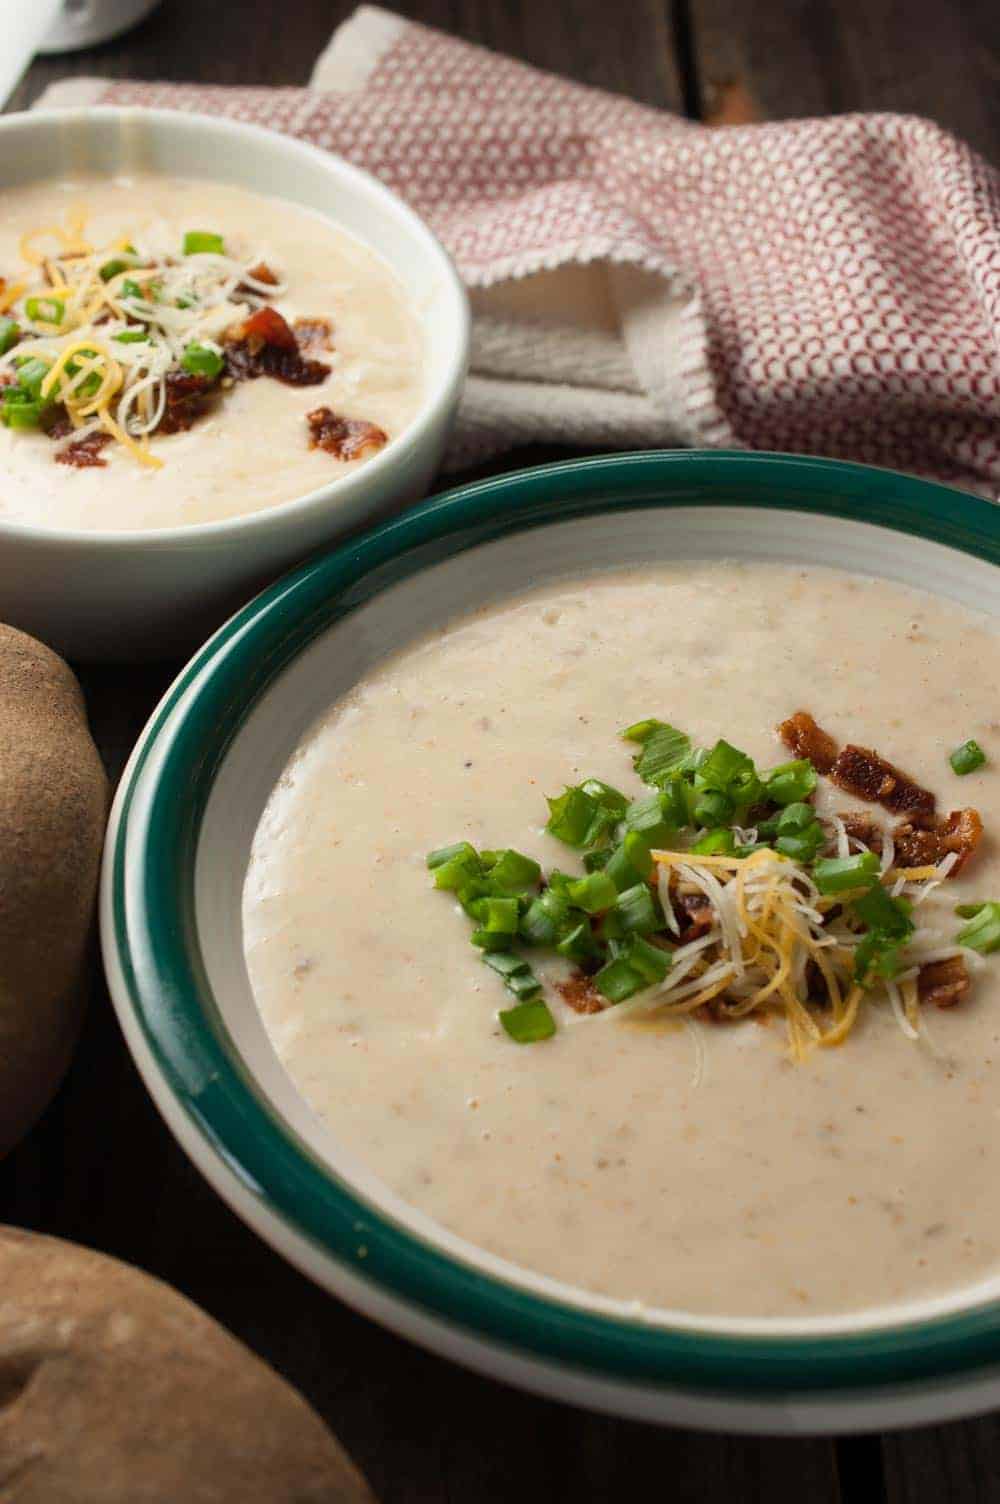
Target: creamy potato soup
(701, 1161)
(180, 351)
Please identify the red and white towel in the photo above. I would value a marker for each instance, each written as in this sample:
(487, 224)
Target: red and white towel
(827, 286)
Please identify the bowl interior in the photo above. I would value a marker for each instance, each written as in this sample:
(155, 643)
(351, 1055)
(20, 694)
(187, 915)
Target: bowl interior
(427, 599)
(119, 142)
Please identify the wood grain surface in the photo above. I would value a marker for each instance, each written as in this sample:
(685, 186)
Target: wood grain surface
(102, 1169)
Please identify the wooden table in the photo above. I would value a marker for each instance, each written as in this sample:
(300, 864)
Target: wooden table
(102, 1169)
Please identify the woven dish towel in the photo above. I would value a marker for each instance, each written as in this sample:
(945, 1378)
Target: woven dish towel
(821, 286)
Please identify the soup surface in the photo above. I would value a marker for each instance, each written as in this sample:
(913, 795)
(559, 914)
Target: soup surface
(251, 449)
(694, 1167)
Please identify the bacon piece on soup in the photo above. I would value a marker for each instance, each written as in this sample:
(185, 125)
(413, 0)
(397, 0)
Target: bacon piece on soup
(265, 345)
(943, 983)
(85, 453)
(344, 438)
(804, 738)
(187, 401)
(313, 334)
(866, 775)
(925, 841)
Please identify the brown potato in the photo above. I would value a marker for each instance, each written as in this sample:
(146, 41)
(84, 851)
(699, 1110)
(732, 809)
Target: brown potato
(114, 1389)
(53, 807)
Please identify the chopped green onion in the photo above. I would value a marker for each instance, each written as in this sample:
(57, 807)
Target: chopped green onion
(200, 361)
(200, 242)
(130, 289)
(45, 310)
(791, 782)
(636, 966)
(715, 843)
(648, 818)
(596, 861)
(445, 854)
(665, 750)
(10, 333)
(511, 873)
(30, 375)
(983, 933)
(730, 771)
(713, 808)
(607, 797)
(638, 911)
(880, 912)
(506, 963)
(454, 874)
(967, 758)
(838, 874)
(571, 816)
(593, 893)
(545, 918)
(794, 819)
(578, 945)
(629, 861)
(112, 268)
(26, 414)
(529, 1022)
(500, 915)
(131, 337)
(485, 939)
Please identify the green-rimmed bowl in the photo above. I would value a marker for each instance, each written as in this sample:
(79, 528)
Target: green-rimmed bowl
(177, 852)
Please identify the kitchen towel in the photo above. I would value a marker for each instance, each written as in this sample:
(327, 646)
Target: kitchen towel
(827, 286)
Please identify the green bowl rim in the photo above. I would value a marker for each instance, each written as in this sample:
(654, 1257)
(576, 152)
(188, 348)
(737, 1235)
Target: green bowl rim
(154, 936)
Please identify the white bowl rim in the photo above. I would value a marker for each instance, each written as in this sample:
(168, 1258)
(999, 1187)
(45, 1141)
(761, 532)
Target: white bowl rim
(435, 402)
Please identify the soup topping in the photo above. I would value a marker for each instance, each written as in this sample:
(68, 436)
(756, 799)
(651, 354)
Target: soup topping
(127, 342)
(723, 894)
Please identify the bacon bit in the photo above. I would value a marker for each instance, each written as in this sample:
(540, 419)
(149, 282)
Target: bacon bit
(695, 916)
(804, 738)
(187, 401)
(864, 828)
(263, 273)
(313, 334)
(861, 772)
(265, 345)
(344, 438)
(57, 423)
(85, 453)
(926, 841)
(266, 327)
(581, 994)
(943, 983)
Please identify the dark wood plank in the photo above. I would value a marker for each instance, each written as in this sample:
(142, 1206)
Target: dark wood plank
(270, 43)
(801, 58)
(959, 1463)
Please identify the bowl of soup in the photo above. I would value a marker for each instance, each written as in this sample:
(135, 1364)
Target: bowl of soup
(219, 348)
(563, 922)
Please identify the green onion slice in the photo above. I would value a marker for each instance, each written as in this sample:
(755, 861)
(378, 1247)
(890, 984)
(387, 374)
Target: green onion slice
(44, 310)
(967, 758)
(837, 874)
(791, 782)
(10, 333)
(529, 1022)
(665, 750)
(983, 931)
(198, 360)
(201, 242)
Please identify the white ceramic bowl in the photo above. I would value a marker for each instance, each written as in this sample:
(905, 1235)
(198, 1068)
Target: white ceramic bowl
(120, 595)
(177, 854)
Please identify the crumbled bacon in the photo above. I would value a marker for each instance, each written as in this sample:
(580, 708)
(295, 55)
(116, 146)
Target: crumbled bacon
(265, 345)
(85, 453)
(261, 273)
(804, 738)
(579, 992)
(943, 983)
(265, 326)
(313, 334)
(864, 828)
(344, 438)
(694, 915)
(925, 840)
(187, 401)
(866, 775)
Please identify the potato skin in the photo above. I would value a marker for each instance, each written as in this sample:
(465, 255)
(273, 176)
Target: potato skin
(114, 1389)
(53, 808)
